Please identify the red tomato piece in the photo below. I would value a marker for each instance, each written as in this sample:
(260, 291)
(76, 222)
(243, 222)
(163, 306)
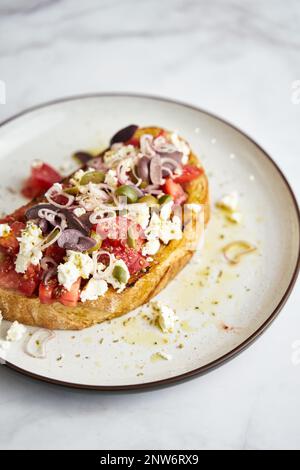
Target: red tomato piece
(175, 190)
(9, 279)
(55, 252)
(134, 260)
(42, 177)
(30, 280)
(189, 173)
(9, 244)
(47, 291)
(71, 297)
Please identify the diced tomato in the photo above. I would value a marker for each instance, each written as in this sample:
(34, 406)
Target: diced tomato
(175, 190)
(42, 177)
(133, 258)
(55, 252)
(9, 278)
(31, 190)
(71, 297)
(9, 244)
(47, 291)
(30, 280)
(26, 283)
(189, 173)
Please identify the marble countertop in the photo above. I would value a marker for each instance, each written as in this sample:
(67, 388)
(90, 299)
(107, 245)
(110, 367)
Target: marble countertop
(239, 59)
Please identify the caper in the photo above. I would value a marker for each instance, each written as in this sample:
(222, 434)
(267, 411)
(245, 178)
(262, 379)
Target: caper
(127, 191)
(120, 274)
(93, 177)
(149, 200)
(165, 199)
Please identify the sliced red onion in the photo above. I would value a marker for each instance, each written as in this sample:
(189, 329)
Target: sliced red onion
(95, 257)
(49, 266)
(49, 275)
(53, 239)
(43, 224)
(53, 191)
(155, 170)
(52, 215)
(72, 239)
(46, 261)
(124, 134)
(174, 155)
(122, 170)
(166, 171)
(146, 142)
(108, 211)
(138, 180)
(37, 343)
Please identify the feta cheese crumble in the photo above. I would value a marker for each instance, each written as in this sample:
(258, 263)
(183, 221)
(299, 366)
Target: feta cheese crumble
(181, 146)
(229, 201)
(30, 247)
(95, 288)
(15, 332)
(164, 355)
(165, 230)
(111, 178)
(164, 316)
(151, 247)
(77, 265)
(4, 230)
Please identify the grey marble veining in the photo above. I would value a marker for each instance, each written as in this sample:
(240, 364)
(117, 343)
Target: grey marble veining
(236, 58)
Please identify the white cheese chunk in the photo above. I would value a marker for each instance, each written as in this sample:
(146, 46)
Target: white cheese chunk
(30, 247)
(77, 265)
(111, 178)
(151, 247)
(118, 153)
(106, 273)
(94, 289)
(164, 316)
(181, 146)
(15, 332)
(140, 213)
(229, 201)
(164, 355)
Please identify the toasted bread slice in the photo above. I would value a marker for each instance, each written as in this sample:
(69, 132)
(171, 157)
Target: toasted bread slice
(167, 263)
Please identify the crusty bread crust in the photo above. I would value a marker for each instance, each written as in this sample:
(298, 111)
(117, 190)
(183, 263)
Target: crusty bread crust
(167, 263)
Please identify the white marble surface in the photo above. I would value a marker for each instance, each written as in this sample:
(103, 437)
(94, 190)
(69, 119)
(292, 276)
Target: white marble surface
(236, 58)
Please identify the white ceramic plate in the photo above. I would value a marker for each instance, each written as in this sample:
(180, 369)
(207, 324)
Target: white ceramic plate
(221, 308)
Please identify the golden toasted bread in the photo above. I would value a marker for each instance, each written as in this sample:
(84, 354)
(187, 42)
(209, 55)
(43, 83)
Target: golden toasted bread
(167, 263)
